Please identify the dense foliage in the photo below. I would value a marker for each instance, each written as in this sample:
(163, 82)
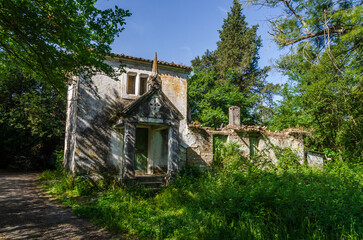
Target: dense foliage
(238, 200)
(32, 120)
(324, 92)
(229, 75)
(42, 45)
(53, 40)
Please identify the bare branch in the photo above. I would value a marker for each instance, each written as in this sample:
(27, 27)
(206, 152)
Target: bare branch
(311, 35)
(276, 26)
(297, 15)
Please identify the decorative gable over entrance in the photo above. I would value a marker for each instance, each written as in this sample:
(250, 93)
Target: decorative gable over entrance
(148, 137)
(153, 106)
(151, 134)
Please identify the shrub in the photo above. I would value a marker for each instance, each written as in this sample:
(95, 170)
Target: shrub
(236, 200)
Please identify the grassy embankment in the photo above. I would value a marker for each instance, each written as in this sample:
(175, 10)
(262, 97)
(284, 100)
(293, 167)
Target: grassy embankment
(238, 200)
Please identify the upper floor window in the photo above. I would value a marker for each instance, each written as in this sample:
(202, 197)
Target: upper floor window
(143, 84)
(131, 83)
(136, 83)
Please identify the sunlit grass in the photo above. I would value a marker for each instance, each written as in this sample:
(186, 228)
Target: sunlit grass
(236, 201)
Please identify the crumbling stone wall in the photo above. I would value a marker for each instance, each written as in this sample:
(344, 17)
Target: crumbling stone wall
(253, 140)
(250, 139)
(200, 150)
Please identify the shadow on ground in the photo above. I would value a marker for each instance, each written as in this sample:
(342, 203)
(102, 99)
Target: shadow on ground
(25, 214)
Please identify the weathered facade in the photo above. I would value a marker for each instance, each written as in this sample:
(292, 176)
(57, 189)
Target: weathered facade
(129, 127)
(138, 125)
(252, 140)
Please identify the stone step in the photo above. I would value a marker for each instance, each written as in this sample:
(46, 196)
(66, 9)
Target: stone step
(150, 178)
(150, 182)
(152, 185)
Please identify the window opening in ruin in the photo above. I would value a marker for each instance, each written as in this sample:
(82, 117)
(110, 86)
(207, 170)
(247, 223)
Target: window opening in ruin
(131, 82)
(218, 144)
(253, 145)
(143, 85)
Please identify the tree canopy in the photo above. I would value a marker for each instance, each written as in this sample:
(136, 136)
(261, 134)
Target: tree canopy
(229, 75)
(42, 45)
(324, 92)
(53, 40)
(314, 20)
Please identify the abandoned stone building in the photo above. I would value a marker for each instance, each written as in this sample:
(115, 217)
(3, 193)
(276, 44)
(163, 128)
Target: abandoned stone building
(139, 125)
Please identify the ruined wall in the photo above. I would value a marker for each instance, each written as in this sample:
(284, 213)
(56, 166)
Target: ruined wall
(200, 152)
(315, 159)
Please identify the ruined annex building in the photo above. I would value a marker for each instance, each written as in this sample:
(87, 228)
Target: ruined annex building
(138, 125)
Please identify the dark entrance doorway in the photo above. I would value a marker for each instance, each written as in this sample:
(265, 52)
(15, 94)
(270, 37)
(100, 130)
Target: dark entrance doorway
(141, 150)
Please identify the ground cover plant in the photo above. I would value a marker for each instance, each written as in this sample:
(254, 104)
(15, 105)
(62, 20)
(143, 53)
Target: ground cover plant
(240, 199)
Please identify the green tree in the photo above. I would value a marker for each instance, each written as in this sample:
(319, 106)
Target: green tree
(234, 77)
(209, 99)
(53, 40)
(32, 118)
(42, 45)
(324, 93)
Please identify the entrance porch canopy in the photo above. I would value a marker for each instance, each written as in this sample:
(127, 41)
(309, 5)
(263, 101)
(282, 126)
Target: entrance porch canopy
(154, 110)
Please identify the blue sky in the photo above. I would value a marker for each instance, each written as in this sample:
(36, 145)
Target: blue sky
(181, 30)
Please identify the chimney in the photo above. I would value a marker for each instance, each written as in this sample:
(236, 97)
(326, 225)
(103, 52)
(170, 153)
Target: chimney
(155, 64)
(234, 116)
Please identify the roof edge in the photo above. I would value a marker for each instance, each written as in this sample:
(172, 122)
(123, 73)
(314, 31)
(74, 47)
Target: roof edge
(162, 63)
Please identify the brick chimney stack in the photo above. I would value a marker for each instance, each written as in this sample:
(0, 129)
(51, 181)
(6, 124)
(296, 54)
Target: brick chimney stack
(234, 116)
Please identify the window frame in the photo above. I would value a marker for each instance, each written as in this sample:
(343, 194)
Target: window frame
(131, 74)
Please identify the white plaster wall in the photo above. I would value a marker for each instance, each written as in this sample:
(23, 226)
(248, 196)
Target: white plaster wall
(70, 131)
(117, 148)
(95, 137)
(95, 133)
(174, 86)
(296, 145)
(266, 145)
(315, 159)
(108, 93)
(243, 142)
(159, 149)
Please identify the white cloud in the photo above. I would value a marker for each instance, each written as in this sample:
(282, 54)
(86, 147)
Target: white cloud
(222, 9)
(187, 49)
(137, 27)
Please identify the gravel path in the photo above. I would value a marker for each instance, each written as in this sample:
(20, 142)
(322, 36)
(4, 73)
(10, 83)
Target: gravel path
(26, 214)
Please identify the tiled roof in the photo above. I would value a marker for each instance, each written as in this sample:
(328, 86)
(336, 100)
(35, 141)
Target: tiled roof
(150, 61)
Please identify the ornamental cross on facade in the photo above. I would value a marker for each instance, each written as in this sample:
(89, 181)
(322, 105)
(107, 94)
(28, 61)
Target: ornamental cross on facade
(155, 107)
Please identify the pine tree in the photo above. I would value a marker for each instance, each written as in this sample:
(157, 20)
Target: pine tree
(237, 51)
(235, 64)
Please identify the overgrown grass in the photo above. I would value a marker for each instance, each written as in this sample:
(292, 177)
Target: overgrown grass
(239, 200)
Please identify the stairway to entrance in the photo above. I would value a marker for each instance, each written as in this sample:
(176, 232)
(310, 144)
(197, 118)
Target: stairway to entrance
(150, 182)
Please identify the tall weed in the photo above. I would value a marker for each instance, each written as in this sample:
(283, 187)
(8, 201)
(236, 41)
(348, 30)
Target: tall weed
(238, 199)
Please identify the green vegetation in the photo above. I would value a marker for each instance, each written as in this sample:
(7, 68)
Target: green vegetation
(43, 45)
(237, 200)
(230, 76)
(324, 92)
(32, 119)
(52, 41)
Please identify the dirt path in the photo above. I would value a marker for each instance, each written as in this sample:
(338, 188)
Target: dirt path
(26, 214)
